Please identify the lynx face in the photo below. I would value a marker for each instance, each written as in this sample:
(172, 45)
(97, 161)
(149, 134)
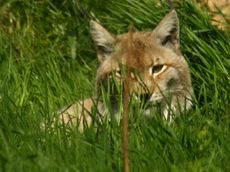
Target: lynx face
(159, 73)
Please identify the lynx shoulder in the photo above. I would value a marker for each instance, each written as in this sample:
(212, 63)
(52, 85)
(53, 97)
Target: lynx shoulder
(159, 73)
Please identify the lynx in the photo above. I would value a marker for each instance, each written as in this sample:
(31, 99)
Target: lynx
(159, 73)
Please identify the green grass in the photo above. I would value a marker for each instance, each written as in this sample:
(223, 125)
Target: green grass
(47, 61)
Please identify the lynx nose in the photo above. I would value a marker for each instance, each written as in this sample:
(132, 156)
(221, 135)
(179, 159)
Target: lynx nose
(145, 98)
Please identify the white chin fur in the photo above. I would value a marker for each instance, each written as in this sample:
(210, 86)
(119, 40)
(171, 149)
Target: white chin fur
(156, 98)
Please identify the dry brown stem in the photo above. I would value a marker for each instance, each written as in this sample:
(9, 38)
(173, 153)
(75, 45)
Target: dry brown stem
(126, 104)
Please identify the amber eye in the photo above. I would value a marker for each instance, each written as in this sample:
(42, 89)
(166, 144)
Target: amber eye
(156, 69)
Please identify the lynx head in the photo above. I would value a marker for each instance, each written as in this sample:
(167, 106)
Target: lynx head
(159, 72)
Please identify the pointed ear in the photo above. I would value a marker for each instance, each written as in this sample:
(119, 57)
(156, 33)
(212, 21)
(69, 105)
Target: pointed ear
(167, 31)
(103, 39)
